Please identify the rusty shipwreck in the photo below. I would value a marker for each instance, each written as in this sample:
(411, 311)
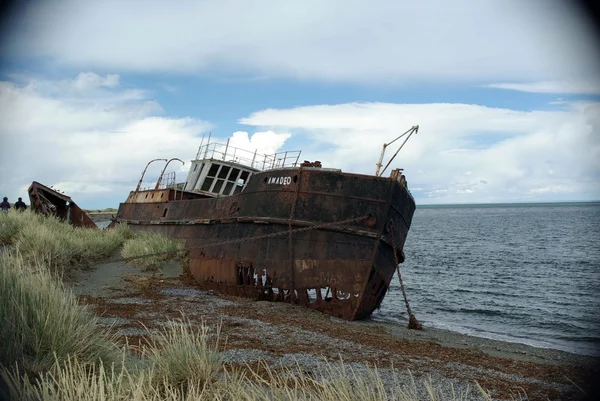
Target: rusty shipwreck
(273, 228)
(50, 202)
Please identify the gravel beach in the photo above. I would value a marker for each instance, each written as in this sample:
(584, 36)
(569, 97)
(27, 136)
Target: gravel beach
(136, 302)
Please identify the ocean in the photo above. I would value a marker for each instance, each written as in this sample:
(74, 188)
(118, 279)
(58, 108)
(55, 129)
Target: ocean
(526, 273)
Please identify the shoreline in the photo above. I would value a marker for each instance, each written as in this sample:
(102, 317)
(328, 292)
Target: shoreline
(506, 349)
(458, 337)
(101, 217)
(127, 298)
(447, 335)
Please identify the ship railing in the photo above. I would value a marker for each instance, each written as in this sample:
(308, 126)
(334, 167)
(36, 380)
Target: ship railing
(255, 160)
(168, 181)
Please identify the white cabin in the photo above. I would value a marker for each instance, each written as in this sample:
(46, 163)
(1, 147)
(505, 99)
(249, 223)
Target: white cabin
(223, 170)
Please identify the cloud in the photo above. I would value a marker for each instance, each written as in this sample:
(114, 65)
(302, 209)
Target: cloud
(94, 145)
(169, 88)
(91, 147)
(86, 81)
(462, 153)
(267, 142)
(340, 40)
(581, 87)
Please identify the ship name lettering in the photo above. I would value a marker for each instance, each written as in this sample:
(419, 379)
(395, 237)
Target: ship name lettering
(280, 180)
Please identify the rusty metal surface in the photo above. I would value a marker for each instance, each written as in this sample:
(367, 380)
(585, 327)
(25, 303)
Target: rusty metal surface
(343, 271)
(47, 201)
(160, 195)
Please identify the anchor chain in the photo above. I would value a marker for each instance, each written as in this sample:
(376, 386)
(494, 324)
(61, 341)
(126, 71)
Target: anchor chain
(413, 323)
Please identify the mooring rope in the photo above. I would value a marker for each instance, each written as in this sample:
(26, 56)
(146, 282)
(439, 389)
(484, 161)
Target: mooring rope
(238, 240)
(413, 323)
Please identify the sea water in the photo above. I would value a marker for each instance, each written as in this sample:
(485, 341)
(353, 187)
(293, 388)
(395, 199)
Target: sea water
(527, 273)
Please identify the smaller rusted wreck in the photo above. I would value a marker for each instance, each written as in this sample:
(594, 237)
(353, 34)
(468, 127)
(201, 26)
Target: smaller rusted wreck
(50, 202)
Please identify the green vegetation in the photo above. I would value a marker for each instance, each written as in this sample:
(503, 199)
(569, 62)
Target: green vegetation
(60, 246)
(148, 243)
(52, 348)
(182, 363)
(181, 342)
(41, 323)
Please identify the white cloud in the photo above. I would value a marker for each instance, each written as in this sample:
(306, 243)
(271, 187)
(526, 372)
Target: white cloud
(93, 147)
(266, 143)
(462, 153)
(339, 40)
(86, 81)
(573, 87)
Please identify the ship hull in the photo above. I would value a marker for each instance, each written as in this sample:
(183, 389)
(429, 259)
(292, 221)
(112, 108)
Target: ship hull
(347, 232)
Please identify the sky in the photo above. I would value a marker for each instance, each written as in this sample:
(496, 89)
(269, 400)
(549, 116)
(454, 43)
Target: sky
(506, 93)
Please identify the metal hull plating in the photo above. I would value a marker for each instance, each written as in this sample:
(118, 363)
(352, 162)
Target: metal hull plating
(338, 259)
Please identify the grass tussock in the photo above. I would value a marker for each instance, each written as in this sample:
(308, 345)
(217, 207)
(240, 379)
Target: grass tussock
(41, 323)
(73, 380)
(149, 243)
(181, 341)
(56, 244)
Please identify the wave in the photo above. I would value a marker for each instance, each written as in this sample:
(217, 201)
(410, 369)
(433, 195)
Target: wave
(479, 311)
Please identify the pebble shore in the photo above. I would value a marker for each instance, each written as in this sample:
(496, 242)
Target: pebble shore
(134, 303)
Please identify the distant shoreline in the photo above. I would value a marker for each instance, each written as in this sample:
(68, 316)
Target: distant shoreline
(96, 217)
(508, 204)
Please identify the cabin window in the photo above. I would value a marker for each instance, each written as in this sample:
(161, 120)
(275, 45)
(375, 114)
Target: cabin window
(234, 174)
(228, 188)
(241, 181)
(224, 171)
(195, 167)
(218, 186)
(213, 170)
(210, 177)
(231, 180)
(207, 184)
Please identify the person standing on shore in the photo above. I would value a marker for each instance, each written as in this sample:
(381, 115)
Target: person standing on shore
(20, 206)
(4, 206)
